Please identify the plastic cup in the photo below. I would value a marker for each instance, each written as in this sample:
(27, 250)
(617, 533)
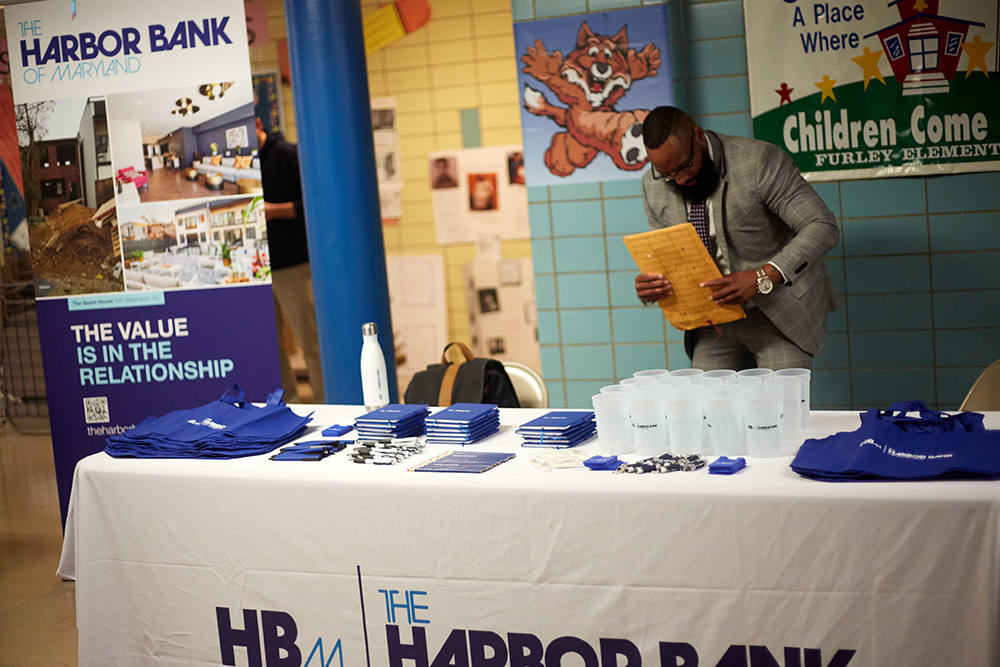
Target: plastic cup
(701, 390)
(687, 373)
(614, 426)
(655, 373)
(791, 409)
(649, 423)
(762, 412)
(744, 380)
(637, 381)
(673, 381)
(705, 381)
(762, 373)
(724, 374)
(770, 388)
(684, 422)
(655, 388)
(723, 414)
(805, 375)
(618, 389)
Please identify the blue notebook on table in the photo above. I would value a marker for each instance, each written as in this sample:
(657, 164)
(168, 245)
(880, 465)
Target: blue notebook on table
(557, 421)
(393, 414)
(462, 414)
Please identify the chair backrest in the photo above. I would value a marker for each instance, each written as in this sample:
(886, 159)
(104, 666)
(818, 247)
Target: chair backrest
(985, 391)
(531, 390)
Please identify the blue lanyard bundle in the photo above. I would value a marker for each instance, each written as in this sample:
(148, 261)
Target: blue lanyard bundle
(227, 428)
(890, 445)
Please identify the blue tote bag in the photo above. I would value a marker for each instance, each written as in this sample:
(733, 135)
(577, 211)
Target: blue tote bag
(890, 445)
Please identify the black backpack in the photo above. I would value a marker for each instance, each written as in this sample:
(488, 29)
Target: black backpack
(471, 380)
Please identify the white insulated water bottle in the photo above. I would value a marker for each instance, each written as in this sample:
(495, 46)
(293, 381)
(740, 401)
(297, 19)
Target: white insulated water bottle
(374, 383)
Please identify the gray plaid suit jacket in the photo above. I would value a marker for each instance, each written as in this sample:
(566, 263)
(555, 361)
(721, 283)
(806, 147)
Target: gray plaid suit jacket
(764, 211)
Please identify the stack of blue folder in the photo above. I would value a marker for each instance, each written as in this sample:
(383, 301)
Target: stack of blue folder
(463, 424)
(392, 422)
(558, 429)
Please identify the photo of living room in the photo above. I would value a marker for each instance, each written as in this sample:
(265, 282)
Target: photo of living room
(184, 143)
(195, 243)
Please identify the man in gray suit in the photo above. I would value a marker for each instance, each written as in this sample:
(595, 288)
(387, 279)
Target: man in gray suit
(767, 230)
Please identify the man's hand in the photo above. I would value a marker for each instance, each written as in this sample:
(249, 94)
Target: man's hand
(735, 288)
(652, 287)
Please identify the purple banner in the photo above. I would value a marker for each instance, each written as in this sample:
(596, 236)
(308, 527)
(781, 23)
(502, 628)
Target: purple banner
(111, 360)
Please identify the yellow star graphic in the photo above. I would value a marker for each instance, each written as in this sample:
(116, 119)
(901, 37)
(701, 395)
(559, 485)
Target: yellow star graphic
(977, 50)
(869, 63)
(826, 85)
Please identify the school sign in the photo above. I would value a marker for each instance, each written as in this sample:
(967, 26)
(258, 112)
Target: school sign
(872, 88)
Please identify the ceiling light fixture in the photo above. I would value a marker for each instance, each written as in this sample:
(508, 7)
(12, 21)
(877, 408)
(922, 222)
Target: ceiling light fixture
(214, 91)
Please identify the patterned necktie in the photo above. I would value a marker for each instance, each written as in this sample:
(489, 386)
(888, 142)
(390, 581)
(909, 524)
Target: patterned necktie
(698, 216)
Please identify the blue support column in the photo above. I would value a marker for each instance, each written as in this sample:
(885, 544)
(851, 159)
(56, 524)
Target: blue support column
(340, 186)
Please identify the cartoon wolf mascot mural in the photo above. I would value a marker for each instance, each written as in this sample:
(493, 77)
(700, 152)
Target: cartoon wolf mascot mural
(590, 81)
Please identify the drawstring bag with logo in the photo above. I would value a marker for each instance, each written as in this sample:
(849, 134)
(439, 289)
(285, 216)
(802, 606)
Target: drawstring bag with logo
(227, 428)
(890, 445)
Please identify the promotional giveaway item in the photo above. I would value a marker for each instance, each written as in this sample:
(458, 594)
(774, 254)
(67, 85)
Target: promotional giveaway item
(227, 428)
(463, 424)
(548, 459)
(890, 445)
(385, 452)
(726, 466)
(464, 461)
(392, 421)
(611, 462)
(312, 450)
(374, 382)
(559, 429)
(664, 463)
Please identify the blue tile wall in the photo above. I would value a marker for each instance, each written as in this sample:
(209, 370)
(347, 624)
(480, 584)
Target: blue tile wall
(916, 264)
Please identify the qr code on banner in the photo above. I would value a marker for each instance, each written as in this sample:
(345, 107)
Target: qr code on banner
(96, 410)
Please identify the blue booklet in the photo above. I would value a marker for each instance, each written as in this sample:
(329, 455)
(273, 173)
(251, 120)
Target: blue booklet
(464, 461)
(394, 413)
(557, 421)
(477, 425)
(463, 413)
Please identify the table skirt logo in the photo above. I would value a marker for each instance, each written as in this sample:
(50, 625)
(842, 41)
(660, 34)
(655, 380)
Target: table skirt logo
(269, 639)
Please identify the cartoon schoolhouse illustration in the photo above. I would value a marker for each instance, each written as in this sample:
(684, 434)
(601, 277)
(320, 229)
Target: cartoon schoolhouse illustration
(590, 81)
(924, 48)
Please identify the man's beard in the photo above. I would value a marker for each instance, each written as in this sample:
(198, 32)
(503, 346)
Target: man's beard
(708, 179)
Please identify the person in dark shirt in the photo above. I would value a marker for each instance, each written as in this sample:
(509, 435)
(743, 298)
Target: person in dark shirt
(291, 277)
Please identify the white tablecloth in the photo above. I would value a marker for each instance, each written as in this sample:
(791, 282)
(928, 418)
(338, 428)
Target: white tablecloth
(178, 562)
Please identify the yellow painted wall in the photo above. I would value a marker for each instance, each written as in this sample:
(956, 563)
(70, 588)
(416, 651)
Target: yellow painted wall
(463, 59)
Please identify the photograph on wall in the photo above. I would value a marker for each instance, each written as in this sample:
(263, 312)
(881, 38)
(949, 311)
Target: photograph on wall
(388, 160)
(194, 243)
(183, 142)
(444, 173)
(587, 82)
(515, 168)
(483, 192)
(503, 321)
(473, 197)
(876, 88)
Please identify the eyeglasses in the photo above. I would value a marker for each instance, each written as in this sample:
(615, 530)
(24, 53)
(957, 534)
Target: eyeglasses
(683, 168)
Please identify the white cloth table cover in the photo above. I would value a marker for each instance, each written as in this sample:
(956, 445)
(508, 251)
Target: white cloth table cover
(763, 563)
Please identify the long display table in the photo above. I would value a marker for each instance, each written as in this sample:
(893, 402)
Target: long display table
(264, 563)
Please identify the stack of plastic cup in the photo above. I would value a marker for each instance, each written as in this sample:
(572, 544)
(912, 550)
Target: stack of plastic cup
(684, 422)
(638, 381)
(762, 412)
(724, 418)
(792, 407)
(705, 381)
(805, 375)
(744, 380)
(762, 373)
(723, 375)
(614, 426)
(654, 373)
(686, 373)
(649, 423)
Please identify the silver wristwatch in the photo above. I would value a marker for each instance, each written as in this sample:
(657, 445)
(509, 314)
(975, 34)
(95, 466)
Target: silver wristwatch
(764, 284)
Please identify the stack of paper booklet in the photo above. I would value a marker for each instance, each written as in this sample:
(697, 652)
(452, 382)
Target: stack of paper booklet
(463, 424)
(558, 429)
(392, 422)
